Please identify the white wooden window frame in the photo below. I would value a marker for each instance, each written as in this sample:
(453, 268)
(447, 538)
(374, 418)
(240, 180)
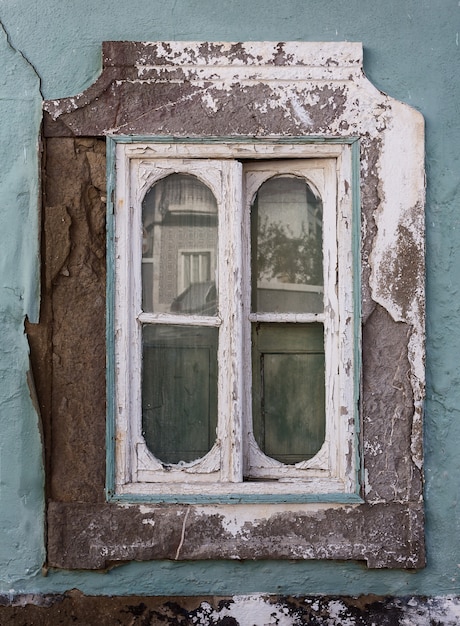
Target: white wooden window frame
(328, 168)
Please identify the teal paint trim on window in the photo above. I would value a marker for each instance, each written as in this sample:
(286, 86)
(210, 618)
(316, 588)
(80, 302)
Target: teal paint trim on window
(242, 498)
(110, 339)
(233, 139)
(339, 498)
(356, 256)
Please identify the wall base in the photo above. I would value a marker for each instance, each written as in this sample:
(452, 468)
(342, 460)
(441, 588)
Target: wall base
(74, 607)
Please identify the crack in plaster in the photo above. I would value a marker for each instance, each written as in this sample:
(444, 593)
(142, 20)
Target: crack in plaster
(182, 537)
(22, 55)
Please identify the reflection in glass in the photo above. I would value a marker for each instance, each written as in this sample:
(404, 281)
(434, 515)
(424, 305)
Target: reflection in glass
(179, 391)
(287, 259)
(179, 247)
(288, 366)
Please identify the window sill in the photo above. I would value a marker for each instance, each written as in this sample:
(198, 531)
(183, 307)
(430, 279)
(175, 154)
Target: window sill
(94, 536)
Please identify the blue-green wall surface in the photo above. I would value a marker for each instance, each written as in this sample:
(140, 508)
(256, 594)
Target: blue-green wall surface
(52, 49)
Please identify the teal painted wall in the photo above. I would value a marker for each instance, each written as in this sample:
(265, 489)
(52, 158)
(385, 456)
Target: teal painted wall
(51, 49)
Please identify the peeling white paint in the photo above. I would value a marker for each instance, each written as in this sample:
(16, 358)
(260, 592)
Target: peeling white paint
(338, 613)
(373, 448)
(332, 469)
(301, 113)
(255, 610)
(260, 610)
(210, 102)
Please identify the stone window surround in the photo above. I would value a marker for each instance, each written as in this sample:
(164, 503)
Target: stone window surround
(280, 90)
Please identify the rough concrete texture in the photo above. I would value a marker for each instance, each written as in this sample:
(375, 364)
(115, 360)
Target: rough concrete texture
(144, 89)
(69, 344)
(257, 610)
(90, 536)
(387, 412)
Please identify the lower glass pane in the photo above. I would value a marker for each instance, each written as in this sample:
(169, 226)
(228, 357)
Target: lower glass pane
(288, 390)
(179, 391)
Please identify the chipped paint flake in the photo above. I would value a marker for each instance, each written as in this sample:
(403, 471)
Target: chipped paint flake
(301, 113)
(248, 610)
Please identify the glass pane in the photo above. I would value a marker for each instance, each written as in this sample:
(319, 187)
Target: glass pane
(179, 247)
(179, 391)
(287, 258)
(288, 390)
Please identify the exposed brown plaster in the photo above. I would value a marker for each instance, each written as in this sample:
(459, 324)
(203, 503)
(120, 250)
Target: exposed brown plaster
(68, 346)
(329, 105)
(387, 410)
(179, 108)
(400, 273)
(57, 228)
(140, 80)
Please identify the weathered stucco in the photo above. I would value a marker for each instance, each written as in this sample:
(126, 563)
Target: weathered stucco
(411, 51)
(177, 89)
(21, 487)
(90, 536)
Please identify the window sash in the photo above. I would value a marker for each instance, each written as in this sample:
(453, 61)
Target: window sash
(321, 175)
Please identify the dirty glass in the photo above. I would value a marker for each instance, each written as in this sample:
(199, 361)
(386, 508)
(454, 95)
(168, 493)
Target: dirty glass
(179, 391)
(288, 390)
(179, 244)
(287, 358)
(179, 363)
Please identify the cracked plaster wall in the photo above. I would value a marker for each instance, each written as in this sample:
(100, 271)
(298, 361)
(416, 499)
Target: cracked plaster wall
(411, 52)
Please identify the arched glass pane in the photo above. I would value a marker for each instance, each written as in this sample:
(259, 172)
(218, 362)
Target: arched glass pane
(179, 363)
(287, 259)
(179, 247)
(288, 366)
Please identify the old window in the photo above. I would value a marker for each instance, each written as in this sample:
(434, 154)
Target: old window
(202, 136)
(235, 331)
